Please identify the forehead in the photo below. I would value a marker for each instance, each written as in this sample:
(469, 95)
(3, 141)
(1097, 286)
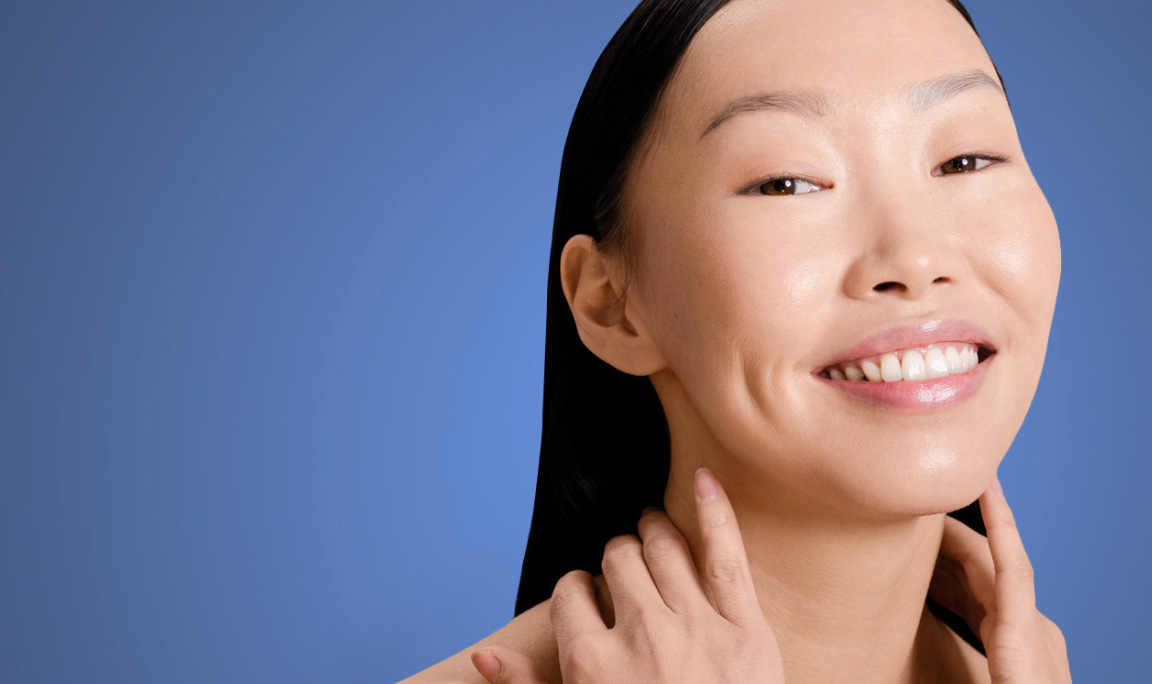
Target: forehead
(863, 55)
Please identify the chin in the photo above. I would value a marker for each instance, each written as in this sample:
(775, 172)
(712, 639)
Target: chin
(943, 485)
(925, 476)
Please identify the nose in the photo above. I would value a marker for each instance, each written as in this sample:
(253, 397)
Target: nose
(906, 254)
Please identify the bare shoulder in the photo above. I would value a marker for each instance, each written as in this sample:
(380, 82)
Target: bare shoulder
(529, 633)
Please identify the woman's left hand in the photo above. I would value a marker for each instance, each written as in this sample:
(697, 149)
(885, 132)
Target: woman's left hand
(988, 581)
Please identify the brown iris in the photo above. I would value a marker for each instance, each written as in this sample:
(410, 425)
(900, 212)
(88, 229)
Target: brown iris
(779, 186)
(960, 164)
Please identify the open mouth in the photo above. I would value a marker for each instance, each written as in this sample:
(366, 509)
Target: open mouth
(929, 362)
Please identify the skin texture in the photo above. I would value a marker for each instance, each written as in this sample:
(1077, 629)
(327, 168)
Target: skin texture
(740, 296)
(672, 624)
(666, 625)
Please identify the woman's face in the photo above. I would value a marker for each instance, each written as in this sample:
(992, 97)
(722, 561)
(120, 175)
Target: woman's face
(750, 289)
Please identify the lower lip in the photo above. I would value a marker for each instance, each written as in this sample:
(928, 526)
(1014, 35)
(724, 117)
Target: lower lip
(916, 395)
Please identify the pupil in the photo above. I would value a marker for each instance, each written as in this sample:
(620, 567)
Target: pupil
(782, 185)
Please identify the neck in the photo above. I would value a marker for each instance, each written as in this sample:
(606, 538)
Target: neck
(844, 597)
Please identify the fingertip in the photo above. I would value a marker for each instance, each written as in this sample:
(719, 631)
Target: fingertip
(994, 506)
(707, 487)
(994, 487)
(578, 574)
(487, 664)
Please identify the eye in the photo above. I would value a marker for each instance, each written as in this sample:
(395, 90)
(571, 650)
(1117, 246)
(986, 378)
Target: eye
(968, 163)
(784, 185)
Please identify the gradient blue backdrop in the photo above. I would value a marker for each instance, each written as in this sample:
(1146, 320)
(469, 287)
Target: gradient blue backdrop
(272, 295)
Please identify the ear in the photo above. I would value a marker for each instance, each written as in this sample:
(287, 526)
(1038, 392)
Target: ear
(608, 322)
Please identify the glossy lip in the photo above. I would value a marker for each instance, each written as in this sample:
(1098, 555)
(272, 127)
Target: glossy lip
(915, 396)
(911, 335)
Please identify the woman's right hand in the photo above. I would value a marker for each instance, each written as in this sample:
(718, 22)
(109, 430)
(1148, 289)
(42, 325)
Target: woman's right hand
(670, 625)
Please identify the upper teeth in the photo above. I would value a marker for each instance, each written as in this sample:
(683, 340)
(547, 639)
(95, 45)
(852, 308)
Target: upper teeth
(923, 363)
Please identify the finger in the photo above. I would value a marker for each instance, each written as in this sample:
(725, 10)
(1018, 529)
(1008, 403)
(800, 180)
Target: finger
(633, 591)
(604, 601)
(669, 562)
(946, 589)
(573, 608)
(725, 561)
(1015, 590)
(965, 557)
(501, 665)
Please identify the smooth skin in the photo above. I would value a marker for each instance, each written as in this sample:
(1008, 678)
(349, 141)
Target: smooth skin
(668, 624)
(741, 293)
(675, 626)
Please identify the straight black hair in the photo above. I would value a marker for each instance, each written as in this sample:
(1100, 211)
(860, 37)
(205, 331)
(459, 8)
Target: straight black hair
(604, 448)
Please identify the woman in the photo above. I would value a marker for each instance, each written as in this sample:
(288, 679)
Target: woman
(800, 291)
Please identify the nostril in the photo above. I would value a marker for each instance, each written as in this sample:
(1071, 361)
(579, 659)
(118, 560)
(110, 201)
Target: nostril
(885, 286)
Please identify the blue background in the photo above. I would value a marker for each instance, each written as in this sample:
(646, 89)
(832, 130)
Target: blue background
(272, 305)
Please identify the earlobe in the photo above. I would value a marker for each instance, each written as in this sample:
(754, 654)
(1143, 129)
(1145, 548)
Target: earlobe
(605, 318)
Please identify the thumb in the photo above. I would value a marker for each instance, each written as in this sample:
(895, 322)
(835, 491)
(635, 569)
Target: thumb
(501, 665)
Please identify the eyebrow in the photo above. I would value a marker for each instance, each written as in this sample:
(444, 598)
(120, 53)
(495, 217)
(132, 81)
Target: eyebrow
(816, 103)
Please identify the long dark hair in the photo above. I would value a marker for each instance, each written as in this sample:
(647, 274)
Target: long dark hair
(604, 448)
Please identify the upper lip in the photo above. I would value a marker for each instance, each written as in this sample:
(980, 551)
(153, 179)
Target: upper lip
(914, 335)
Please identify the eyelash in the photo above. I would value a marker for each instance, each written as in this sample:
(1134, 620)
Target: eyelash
(994, 159)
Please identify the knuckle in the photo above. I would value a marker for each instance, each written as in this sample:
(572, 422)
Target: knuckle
(576, 577)
(717, 521)
(1013, 653)
(1006, 523)
(662, 547)
(1022, 568)
(622, 540)
(569, 588)
(620, 551)
(652, 521)
(723, 570)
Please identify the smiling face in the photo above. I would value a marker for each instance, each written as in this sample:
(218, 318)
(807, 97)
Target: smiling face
(857, 190)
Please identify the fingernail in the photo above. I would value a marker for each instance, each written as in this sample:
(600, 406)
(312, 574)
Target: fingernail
(705, 484)
(995, 488)
(488, 665)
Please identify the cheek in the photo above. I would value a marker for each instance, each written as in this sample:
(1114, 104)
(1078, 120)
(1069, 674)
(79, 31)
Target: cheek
(1018, 255)
(746, 284)
(1025, 257)
(741, 301)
